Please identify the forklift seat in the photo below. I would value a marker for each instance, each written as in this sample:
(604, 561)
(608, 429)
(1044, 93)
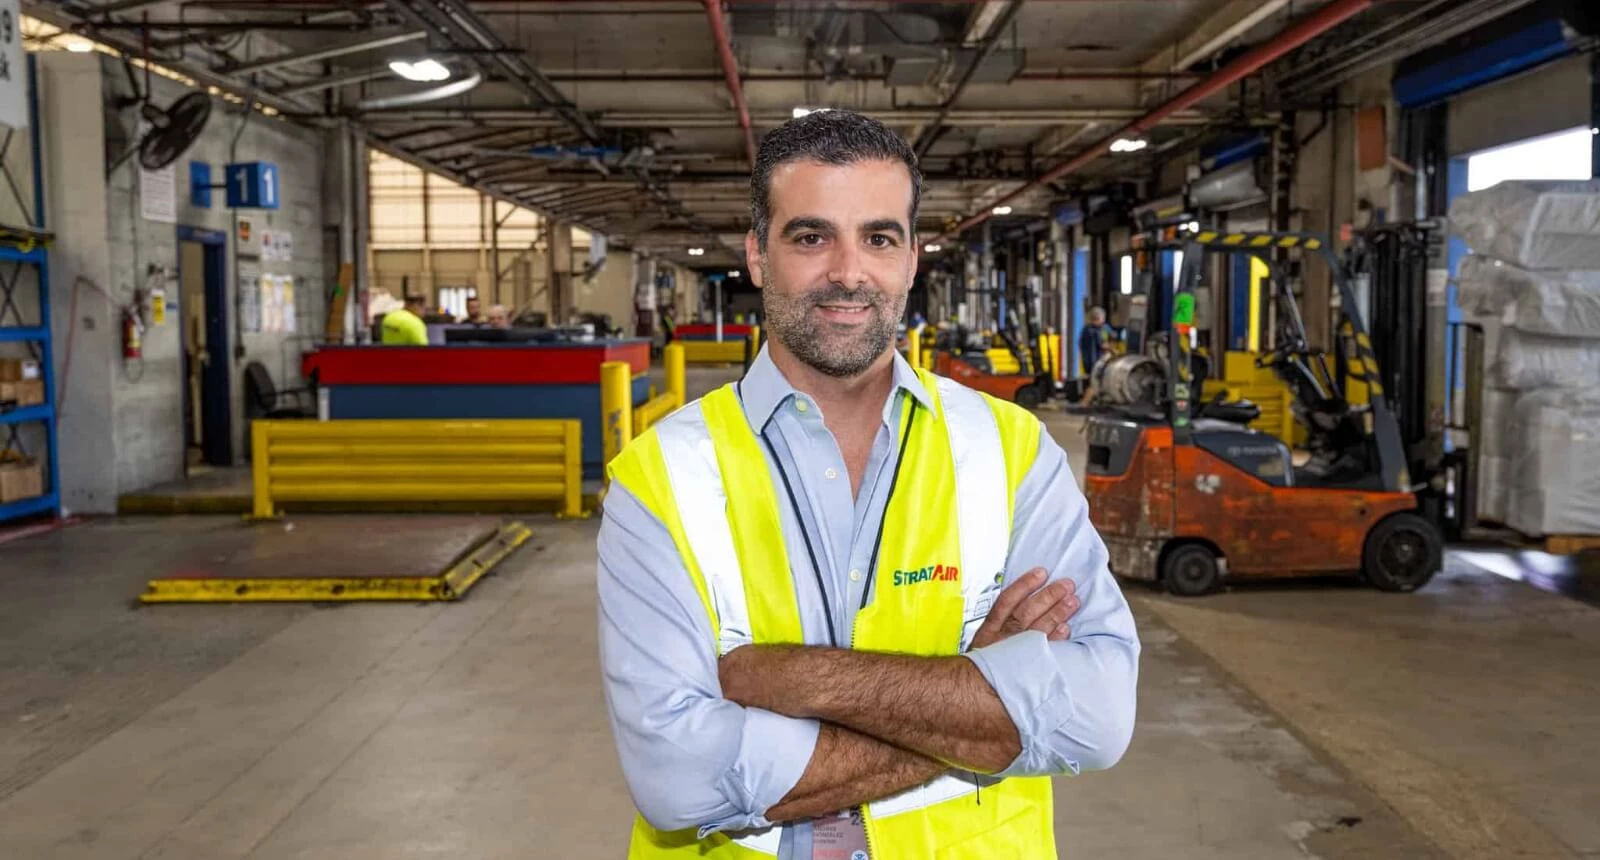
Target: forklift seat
(1241, 412)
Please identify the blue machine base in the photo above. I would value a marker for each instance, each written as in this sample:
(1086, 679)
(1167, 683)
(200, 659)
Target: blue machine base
(443, 402)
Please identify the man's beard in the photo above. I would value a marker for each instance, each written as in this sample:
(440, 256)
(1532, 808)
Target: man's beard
(834, 350)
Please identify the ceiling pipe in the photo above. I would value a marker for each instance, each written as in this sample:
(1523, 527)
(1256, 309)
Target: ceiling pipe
(1323, 20)
(730, 72)
(996, 31)
(282, 60)
(1235, 30)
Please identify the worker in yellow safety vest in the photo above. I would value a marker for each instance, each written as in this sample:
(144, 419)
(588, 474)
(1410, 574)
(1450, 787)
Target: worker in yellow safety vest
(849, 609)
(404, 326)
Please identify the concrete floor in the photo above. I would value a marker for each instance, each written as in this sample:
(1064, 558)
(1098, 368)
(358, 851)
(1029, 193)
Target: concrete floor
(1315, 720)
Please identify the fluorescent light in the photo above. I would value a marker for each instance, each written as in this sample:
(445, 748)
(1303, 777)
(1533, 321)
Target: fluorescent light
(697, 252)
(1192, 226)
(1129, 145)
(424, 70)
(805, 111)
(734, 273)
(1001, 210)
(80, 47)
(932, 248)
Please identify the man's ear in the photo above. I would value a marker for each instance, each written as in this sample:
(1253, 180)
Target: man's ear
(752, 259)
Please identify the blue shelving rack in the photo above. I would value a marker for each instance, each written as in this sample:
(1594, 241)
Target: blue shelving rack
(21, 249)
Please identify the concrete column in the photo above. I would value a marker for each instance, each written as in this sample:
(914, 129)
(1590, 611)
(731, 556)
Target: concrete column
(76, 210)
(558, 271)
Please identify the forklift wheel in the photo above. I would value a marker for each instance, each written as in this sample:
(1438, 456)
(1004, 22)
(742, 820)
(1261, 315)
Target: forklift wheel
(1028, 397)
(1191, 570)
(1402, 553)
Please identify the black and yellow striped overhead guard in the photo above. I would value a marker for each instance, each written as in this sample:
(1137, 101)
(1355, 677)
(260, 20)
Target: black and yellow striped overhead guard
(1258, 240)
(450, 584)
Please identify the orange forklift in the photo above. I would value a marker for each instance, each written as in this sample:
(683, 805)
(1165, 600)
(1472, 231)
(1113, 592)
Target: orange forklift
(964, 357)
(1187, 494)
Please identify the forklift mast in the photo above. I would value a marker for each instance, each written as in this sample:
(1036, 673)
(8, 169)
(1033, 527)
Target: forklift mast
(1294, 360)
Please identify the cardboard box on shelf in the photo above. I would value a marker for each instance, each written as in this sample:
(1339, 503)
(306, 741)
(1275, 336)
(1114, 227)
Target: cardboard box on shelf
(20, 478)
(18, 369)
(26, 393)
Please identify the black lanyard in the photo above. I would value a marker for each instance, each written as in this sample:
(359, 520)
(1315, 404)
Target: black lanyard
(794, 504)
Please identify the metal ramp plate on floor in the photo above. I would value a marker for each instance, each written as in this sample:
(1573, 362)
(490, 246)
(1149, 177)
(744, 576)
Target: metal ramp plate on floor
(338, 559)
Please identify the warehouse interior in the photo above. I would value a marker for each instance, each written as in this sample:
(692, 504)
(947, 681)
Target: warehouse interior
(321, 321)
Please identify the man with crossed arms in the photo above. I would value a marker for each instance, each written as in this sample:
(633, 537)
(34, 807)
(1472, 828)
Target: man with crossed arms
(835, 596)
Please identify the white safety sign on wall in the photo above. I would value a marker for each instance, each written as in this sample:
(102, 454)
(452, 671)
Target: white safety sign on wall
(13, 67)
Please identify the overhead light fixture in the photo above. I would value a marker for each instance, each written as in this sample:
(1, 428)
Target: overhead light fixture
(80, 46)
(1192, 226)
(425, 70)
(1001, 210)
(734, 273)
(805, 111)
(697, 252)
(1129, 144)
(932, 248)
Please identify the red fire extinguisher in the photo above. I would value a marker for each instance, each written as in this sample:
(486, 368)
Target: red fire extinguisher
(132, 345)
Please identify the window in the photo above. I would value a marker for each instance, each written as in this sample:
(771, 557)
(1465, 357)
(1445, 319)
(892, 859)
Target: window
(454, 300)
(1127, 274)
(396, 189)
(1567, 155)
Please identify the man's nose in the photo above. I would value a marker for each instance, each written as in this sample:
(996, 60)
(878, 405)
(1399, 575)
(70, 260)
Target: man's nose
(846, 267)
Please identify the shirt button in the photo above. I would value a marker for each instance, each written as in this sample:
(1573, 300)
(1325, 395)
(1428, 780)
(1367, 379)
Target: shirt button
(855, 576)
(801, 406)
(831, 474)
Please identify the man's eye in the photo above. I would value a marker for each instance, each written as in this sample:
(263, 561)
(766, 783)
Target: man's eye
(881, 240)
(809, 239)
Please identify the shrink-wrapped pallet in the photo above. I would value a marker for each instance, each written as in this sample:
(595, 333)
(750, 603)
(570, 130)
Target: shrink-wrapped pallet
(1535, 225)
(1530, 362)
(1554, 465)
(1559, 303)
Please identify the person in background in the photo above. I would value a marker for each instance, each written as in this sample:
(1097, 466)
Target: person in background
(1094, 341)
(474, 315)
(404, 327)
(499, 316)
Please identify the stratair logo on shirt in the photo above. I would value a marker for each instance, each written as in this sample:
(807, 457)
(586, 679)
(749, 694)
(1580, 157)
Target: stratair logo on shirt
(931, 573)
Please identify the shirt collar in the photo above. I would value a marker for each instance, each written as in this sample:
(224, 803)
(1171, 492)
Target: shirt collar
(765, 389)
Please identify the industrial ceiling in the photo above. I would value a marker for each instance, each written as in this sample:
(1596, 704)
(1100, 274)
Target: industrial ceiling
(638, 118)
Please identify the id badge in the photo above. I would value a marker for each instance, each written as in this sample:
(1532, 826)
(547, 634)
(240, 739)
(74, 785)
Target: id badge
(839, 837)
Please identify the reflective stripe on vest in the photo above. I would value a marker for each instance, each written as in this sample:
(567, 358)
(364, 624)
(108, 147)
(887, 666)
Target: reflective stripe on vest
(952, 508)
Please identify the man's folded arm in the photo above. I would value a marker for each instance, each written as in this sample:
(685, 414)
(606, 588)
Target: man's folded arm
(1030, 707)
(1072, 702)
(691, 758)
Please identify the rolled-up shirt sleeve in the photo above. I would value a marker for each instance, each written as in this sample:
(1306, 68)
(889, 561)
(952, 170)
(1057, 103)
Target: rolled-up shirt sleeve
(1073, 702)
(691, 758)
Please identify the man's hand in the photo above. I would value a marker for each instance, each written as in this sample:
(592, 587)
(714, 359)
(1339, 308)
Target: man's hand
(1026, 606)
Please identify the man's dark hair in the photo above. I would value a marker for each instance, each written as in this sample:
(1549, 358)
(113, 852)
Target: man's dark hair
(416, 299)
(836, 137)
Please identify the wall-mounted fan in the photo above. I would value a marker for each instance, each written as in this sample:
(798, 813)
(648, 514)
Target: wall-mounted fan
(172, 129)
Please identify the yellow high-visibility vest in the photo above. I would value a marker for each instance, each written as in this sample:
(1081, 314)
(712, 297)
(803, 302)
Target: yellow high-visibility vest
(946, 534)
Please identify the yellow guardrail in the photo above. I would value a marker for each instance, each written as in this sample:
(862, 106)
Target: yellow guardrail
(735, 350)
(382, 460)
(623, 421)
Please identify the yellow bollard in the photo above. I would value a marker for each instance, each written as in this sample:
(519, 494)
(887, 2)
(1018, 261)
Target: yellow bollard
(914, 346)
(260, 446)
(677, 378)
(616, 407)
(752, 346)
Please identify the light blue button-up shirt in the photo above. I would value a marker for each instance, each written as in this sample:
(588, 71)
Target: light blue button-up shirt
(693, 759)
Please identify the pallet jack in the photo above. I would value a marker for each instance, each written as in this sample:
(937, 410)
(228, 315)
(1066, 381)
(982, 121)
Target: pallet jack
(1187, 494)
